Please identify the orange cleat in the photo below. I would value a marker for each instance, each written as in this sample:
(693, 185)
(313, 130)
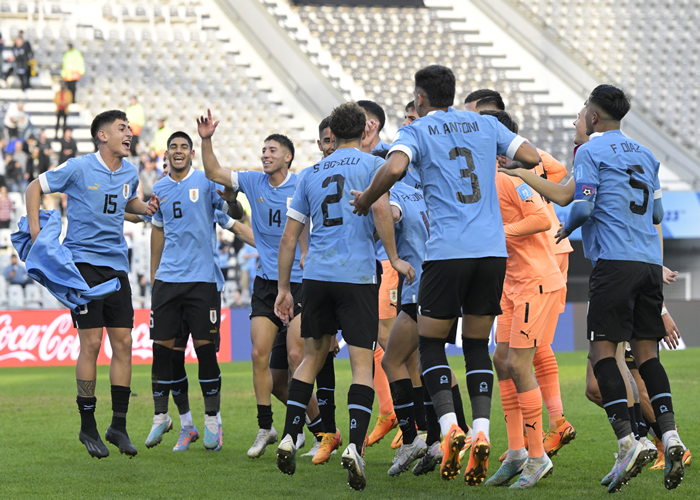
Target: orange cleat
(687, 458)
(452, 444)
(478, 461)
(557, 438)
(397, 441)
(384, 424)
(660, 463)
(329, 444)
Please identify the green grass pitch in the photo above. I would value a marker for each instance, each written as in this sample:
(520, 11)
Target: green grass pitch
(41, 457)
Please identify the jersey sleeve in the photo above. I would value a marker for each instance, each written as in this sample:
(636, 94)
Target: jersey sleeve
(239, 180)
(507, 142)
(157, 219)
(134, 185)
(554, 168)
(395, 201)
(61, 178)
(657, 182)
(406, 141)
(223, 220)
(586, 177)
(299, 207)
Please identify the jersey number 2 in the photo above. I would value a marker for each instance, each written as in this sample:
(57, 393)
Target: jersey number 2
(467, 173)
(332, 198)
(636, 184)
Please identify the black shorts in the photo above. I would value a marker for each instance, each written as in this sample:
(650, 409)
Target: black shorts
(185, 307)
(353, 307)
(262, 303)
(625, 301)
(115, 310)
(278, 355)
(181, 341)
(412, 310)
(450, 288)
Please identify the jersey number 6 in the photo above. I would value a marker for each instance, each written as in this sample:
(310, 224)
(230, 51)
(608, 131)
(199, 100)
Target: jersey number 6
(467, 173)
(332, 198)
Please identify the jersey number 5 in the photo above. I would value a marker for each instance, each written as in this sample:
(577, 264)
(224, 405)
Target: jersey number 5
(467, 173)
(636, 184)
(332, 198)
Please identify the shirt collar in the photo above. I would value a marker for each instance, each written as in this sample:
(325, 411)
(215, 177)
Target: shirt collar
(595, 134)
(289, 175)
(192, 169)
(102, 162)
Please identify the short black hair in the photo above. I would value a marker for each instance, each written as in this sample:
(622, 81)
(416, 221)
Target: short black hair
(502, 117)
(375, 110)
(105, 118)
(610, 100)
(480, 94)
(438, 84)
(325, 123)
(410, 105)
(182, 134)
(348, 121)
(284, 141)
(495, 100)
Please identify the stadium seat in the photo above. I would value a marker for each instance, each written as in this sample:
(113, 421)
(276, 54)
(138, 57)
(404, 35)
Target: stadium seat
(32, 296)
(15, 297)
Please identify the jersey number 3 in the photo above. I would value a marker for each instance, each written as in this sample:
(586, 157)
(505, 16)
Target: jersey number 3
(332, 198)
(467, 173)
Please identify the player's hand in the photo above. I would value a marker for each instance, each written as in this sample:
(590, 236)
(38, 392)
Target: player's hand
(561, 234)
(336, 345)
(370, 127)
(513, 172)
(206, 126)
(228, 195)
(673, 336)
(669, 276)
(152, 206)
(403, 267)
(358, 203)
(284, 306)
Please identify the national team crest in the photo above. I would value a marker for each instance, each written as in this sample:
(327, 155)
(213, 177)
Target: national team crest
(393, 295)
(126, 191)
(194, 196)
(212, 316)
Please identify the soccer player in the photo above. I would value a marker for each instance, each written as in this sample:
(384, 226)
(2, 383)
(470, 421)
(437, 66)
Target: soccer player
(101, 188)
(339, 284)
(484, 99)
(455, 153)
(530, 302)
(618, 206)
(411, 178)
(270, 192)
(325, 142)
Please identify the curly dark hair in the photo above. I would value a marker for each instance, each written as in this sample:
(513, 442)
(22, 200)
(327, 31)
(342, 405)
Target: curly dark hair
(348, 122)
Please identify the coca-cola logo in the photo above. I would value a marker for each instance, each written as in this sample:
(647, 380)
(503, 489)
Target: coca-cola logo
(53, 340)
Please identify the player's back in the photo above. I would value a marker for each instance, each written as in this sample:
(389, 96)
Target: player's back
(455, 154)
(622, 177)
(341, 245)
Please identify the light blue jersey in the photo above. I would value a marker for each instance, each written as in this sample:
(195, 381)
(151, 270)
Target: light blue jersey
(455, 155)
(97, 199)
(341, 245)
(187, 214)
(621, 177)
(268, 205)
(380, 145)
(412, 178)
(380, 253)
(412, 232)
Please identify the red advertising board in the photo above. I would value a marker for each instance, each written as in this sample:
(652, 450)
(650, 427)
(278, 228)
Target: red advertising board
(47, 338)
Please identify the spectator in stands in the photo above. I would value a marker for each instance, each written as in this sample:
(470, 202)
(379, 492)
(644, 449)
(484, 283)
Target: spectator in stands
(16, 120)
(62, 99)
(160, 139)
(73, 68)
(68, 146)
(21, 54)
(21, 159)
(6, 207)
(14, 175)
(238, 299)
(143, 158)
(15, 273)
(148, 177)
(137, 119)
(2, 160)
(45, 152)
(31, 149)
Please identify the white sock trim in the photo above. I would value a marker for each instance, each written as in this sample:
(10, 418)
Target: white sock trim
(446, 422)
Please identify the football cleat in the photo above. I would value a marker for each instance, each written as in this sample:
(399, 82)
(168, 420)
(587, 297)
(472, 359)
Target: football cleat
(264, 437)
(687, 458)
(397, 441)
(432, 457)
(329, 444)
(355, 465)
(660, 463)
(556, 439)
(384, 424)
(286, 456)
(630, 465)
(188, 435)
(506, 472)
(156, 435)
(534, 470)
(467, 446)
(478, 461)
(609, 476)
(673, 455)
(121, 440)
(301, 440)
(452, 444)
(213, 434)
(406, 455)
(95, 447)
(317, 446)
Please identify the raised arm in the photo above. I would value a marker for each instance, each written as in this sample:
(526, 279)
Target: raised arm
(33, 201)
(206, 127)
(385, 177)
(561, 194)
(527, 155)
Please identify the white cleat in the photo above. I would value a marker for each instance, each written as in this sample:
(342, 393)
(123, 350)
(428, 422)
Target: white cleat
(406, 455)
(264, 437)
(314, 450)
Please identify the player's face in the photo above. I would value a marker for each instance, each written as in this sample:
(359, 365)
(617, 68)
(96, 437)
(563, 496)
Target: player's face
(591, 118)
(118, 137)
(326, 142)
(471, 106)
(274, 157)
(409, 117)
(580, 135)
(180, 154)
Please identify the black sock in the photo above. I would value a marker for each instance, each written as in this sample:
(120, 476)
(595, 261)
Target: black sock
(298, 397)
(633, 422)
(360, 400)
(459, 409)
(86, 407)
(614, 394)
(479, 376)
(657, 430)
(659, 390)
(402, 397)
(641, 423)
(161, 377)
(431, 420)
(419, 408)
(180, 386)
(209, 378)
(325, 394)
(316, 427)
(265, 416)
(120, 405)
(437, 376)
